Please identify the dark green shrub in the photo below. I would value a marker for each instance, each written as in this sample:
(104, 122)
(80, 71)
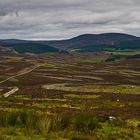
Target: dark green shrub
(86, 122)
(23, 116)
(64, 121)
(8, 118)
(29, 120)
(60, 122)
(44, 125)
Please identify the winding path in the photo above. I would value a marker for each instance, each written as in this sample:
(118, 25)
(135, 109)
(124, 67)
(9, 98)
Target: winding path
(15, 89)
(25, 71)
(12, 91)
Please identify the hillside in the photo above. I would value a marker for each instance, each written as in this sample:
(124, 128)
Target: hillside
(7, 51)
(93, 40)
(27, 47)
(82, 43)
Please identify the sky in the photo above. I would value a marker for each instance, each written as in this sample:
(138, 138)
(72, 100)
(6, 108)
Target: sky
(61, 19)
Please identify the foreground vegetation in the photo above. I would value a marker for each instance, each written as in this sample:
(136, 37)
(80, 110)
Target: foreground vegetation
(33, 125)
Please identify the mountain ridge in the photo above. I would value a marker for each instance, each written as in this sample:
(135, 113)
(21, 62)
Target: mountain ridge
(92, 39)
(84, 41)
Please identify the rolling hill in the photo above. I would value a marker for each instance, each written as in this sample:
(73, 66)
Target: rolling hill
(21, 46)
(92, 40)
(82, 43)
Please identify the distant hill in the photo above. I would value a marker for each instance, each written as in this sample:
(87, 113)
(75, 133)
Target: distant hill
(22, 46)
(84, 43)
(7, 51)
(93, 40)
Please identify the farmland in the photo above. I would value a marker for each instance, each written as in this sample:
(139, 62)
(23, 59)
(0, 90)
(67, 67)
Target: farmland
(67, 89)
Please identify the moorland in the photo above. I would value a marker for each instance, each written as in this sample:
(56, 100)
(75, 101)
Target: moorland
(78, 93)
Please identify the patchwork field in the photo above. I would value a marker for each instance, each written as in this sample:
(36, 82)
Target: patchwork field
(70, 84)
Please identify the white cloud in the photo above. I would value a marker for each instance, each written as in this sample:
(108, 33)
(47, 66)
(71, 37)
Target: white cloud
(56, 19)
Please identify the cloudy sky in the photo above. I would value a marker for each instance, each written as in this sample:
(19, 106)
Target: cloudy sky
(59, 19)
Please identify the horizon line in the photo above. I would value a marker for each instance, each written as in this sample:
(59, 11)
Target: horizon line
(70, 37)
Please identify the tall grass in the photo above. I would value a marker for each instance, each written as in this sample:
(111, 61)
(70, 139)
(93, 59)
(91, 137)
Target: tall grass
(85, 123)
(43, 123)
(8, 119)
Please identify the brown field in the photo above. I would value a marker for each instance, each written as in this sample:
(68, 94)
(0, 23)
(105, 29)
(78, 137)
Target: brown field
(69, 97)
(62, 83)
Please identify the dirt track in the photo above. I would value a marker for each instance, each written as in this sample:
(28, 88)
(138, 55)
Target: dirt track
(23, 72)
(12, 91)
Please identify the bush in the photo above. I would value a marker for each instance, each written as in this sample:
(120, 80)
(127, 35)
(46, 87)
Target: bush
(8, 118)
(25, 119)
(33, 122)
(86, 122)
(44, 125)
(64, 121)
